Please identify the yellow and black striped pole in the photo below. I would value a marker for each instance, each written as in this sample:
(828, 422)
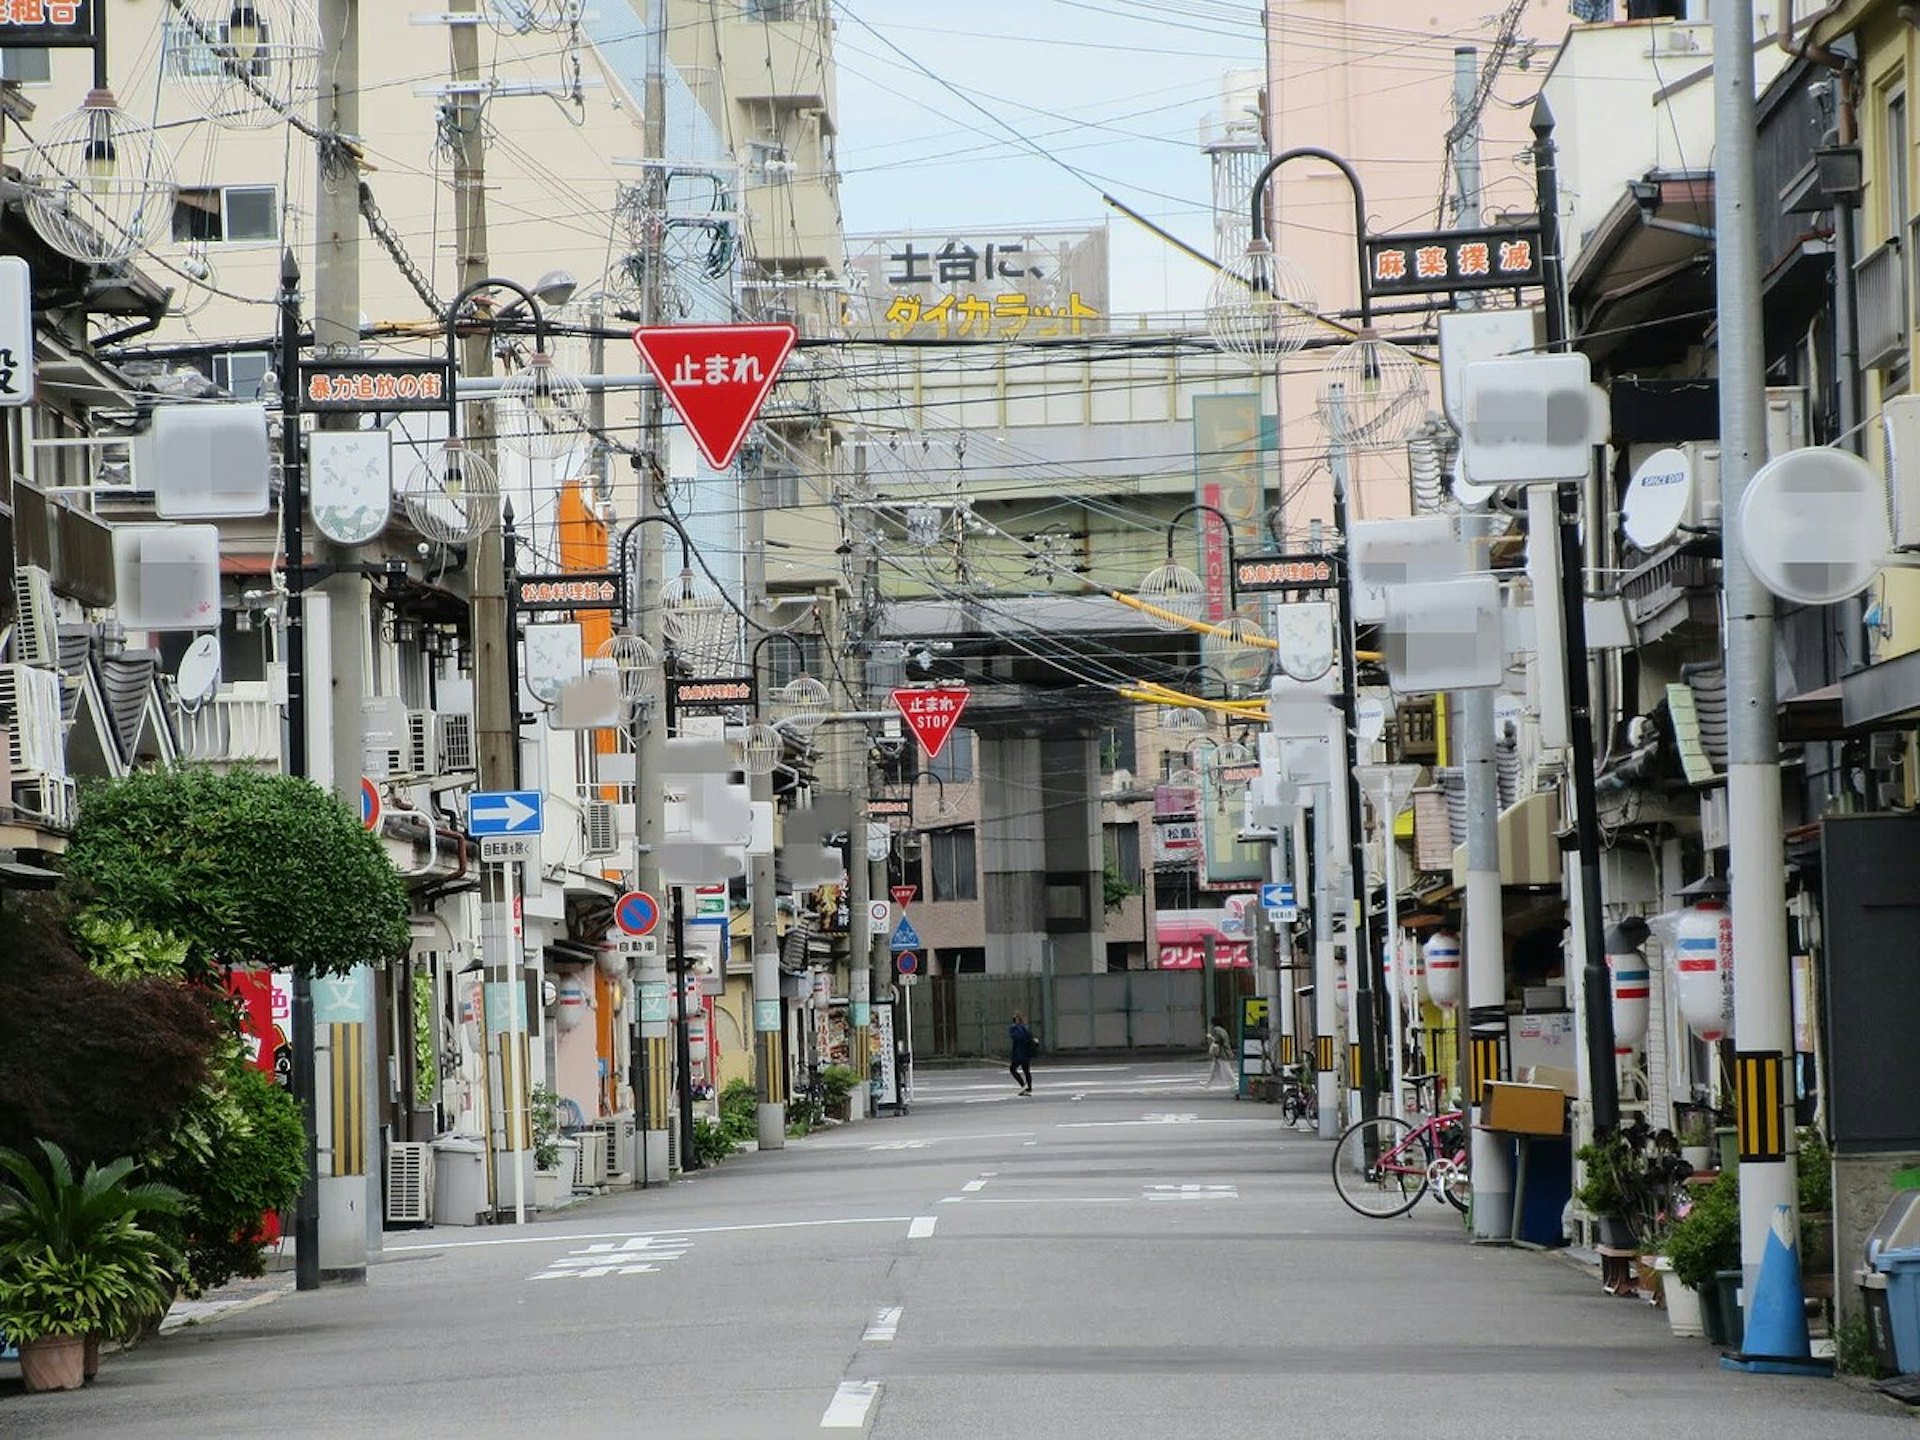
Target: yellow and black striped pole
(1761, 1116)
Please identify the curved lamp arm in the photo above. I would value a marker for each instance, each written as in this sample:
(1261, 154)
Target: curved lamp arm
(1314, 152)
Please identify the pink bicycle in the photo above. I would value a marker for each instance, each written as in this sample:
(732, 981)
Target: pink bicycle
(1382, 1166)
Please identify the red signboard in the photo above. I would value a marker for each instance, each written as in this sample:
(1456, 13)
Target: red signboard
(903, 895)
(932, 714)
(717, 376)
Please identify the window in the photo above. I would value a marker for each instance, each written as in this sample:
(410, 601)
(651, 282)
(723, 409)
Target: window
(964, 960)
(201, 48)
(229, 213)
(950, 857)
(1123, 852)
(28, 67)
(1899, 192)
(240, 372)
(955, 761)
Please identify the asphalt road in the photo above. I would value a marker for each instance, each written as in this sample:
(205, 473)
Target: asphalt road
(1123, 1254)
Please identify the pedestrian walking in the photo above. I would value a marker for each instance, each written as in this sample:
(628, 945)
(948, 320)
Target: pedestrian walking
(1023, 1047)
(1219, 1053)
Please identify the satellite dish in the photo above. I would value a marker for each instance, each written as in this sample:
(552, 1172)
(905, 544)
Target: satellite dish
(1657, 498)
(199, 674)
(1813, 525)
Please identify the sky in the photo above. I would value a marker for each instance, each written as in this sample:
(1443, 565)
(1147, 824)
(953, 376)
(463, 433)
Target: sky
(948, 114)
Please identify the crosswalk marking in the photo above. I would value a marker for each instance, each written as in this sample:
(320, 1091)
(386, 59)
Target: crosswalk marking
(642, 1255)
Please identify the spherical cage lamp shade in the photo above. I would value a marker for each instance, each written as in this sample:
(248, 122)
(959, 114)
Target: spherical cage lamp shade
(1175, 589)
(1236, 652)
(1373, 395)
(248, 63)
(540, 411)
(637, 665)
(100, 187)
(452, 495)
(696, 621)
(802, 703)
(1261, 305)
(760, 749)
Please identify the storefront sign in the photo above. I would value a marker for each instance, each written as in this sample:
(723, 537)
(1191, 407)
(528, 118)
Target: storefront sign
(1434, 263)
(358, 387)
(981, 285)
(46, 24)
(588, 590)
(1254, 573)
(890, 806)
(714, 695)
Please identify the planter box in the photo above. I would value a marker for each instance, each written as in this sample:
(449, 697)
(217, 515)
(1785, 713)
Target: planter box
(54, 1362)
(1683, 1304)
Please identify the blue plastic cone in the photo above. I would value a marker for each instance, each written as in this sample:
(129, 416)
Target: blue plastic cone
(1776, 1341)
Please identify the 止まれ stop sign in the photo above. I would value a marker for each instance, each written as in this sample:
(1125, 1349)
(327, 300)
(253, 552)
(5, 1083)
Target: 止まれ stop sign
(717, 376)
(931, 714)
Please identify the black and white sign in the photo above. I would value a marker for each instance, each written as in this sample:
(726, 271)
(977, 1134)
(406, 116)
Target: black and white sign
(16, 332)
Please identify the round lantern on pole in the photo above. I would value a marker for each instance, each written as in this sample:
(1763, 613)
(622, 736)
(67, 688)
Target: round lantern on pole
(1442, 956)
(1627, 965)
(1703, 948)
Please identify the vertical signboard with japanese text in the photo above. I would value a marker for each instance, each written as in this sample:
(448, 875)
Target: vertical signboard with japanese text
(1226, 476)
(984, 284)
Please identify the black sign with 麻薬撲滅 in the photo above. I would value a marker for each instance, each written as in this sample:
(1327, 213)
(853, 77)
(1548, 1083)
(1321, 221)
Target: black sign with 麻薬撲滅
(44, 24)
(359, 387)
(714, 695)
(1255, 573)
(580, 590)
(1438, 261)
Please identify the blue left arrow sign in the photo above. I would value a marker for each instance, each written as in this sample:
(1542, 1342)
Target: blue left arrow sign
(506, 812)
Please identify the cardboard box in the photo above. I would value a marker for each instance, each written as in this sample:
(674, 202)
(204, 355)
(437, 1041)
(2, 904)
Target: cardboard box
(1558, 1076)
(1523, 1109)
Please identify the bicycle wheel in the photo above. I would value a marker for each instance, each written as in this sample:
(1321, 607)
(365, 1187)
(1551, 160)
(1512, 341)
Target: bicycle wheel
(1290, 1108)
(1394, 1180)
(1455, 1182)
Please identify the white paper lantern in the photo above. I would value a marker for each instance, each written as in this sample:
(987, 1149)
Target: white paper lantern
(1702, 956)
(1442, 954)
(1631, 990)
(573, 1005)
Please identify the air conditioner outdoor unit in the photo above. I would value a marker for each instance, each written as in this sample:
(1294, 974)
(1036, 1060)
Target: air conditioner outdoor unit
(36, 636)
(1786, 420)
(31, 711)
(1703, 503)
(600, 827)
(616, 1136)
(589, 1165)
(1900, 447)
(422, 743)
(454, 743)
(409, 1182)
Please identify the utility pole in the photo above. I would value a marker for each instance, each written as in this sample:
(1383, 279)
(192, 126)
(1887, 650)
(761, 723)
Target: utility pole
(854, 774)
(1483, 945)
(769, 1076)
(496, 707)
(656, 1029)
(1762, 1010)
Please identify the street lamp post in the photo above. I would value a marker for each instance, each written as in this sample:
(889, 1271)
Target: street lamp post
(1343, 431)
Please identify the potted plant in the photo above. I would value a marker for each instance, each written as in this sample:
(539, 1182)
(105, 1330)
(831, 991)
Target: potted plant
(1704, 1246)
(553, 1156)
(76, 1267)
(837, 1083)
(1617, 1191)
(1694, 1127)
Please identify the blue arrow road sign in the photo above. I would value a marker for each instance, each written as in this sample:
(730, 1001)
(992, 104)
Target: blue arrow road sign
(506, 812)
(1277, 897)
(905, 937)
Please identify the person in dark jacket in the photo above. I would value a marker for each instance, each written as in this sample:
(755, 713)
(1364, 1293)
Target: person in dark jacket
(1023, 1046)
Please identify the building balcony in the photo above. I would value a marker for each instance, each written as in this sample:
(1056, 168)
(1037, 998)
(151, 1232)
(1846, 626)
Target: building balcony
(780, 50)
(240, 725)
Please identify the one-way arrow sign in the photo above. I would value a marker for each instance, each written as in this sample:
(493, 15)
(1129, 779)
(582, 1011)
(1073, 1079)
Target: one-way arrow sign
(506, 812)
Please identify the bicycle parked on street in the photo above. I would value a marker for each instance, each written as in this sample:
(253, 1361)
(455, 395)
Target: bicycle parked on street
(1382, 1166)
(1298, 1100)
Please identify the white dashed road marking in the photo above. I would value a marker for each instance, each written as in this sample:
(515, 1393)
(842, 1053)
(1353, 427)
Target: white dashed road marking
(884, 1325)
(851, 1401)
(922, 1227)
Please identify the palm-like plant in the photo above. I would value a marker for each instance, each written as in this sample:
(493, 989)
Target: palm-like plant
(74, 1258)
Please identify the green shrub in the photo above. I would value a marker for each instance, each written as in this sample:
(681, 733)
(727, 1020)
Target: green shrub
(837, 1082)
(1706, 1240)
(543, 1104)
(239, 1154)
(740, 1110)
(243, 868)
(711, 1143)
(1815, 1172)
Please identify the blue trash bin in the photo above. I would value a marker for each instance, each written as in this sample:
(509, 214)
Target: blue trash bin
(1902, 1269)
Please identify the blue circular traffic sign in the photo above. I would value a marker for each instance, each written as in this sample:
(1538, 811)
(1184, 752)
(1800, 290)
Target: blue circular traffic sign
(636, 913)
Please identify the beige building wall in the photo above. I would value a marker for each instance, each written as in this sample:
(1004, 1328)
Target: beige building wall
(1372, 81)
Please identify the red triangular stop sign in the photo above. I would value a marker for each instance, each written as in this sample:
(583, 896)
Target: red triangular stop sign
(717, 377)
(932, 714)
(903, 895)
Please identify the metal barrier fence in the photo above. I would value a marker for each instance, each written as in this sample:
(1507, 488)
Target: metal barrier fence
(967, 1015)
